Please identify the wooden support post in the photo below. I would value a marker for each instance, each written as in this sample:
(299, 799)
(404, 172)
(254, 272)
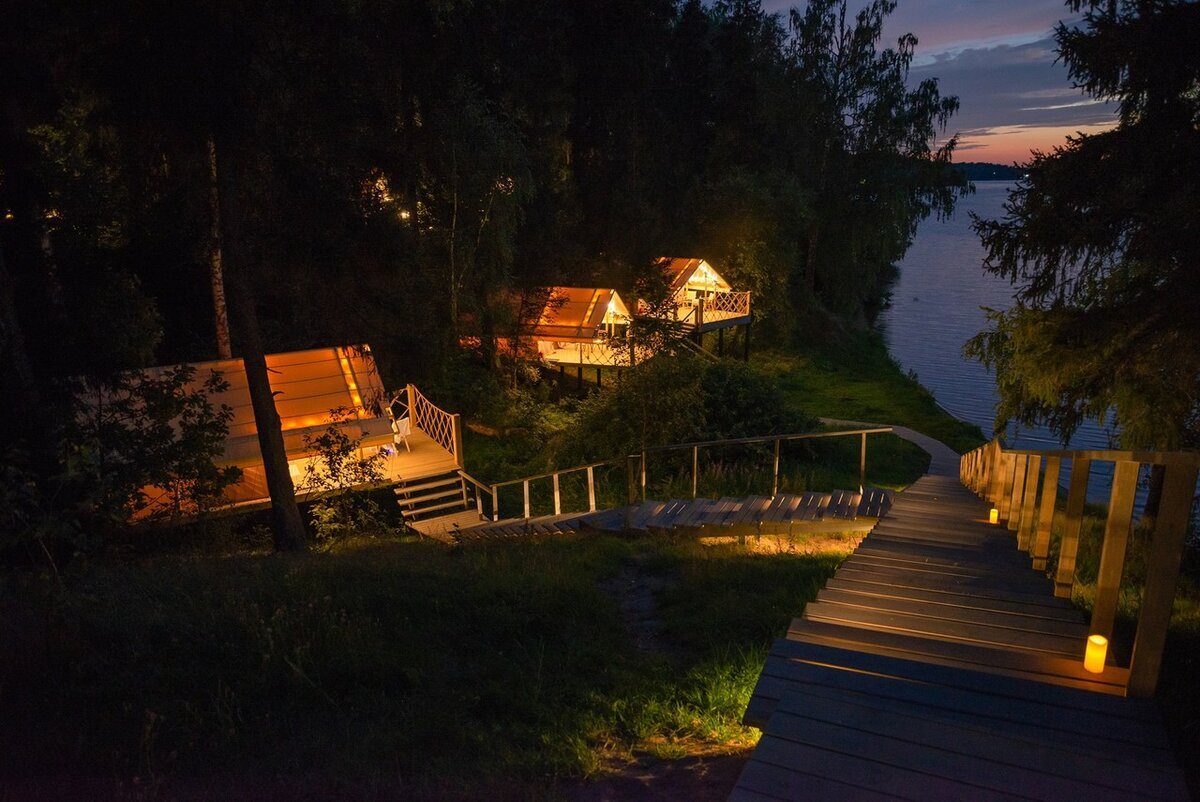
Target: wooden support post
(695, 470)
(526, 488)
(557, 497)
(591, 474)
(495, 504)
(1021, 462)
(1162, 573)
(1064, 578)
(1040, 548)
(643, 476)
(1112, 553)
(775, 484)
(746, 342)
(1029, 503)
(456, 420)
(598, 384)
(579, 377)
(1008, 469)
(995, 473)
(862, 464)
(721, 341)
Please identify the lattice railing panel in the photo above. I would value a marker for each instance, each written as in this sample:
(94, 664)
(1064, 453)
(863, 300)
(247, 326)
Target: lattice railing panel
(729, 303)
(434, 421)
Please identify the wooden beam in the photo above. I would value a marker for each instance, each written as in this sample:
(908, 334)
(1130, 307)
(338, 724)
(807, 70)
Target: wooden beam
(696, 469)
(1112, 553)
(591, 475)
(1064, 578)
(1040, 548)
(1162, 574)
(775, 483)
(557, 497)
(1020, 463)
(862, 463)
(1029, 504)
(526, 488)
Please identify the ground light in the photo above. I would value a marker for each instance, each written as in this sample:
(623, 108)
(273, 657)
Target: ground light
(994, 516)
(1097, 650)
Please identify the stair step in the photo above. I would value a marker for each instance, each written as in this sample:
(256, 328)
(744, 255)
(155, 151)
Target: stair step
(413, 501)
(460, 504)
(403, 489)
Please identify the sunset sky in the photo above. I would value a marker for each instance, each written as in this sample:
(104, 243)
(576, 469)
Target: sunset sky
(998, 57)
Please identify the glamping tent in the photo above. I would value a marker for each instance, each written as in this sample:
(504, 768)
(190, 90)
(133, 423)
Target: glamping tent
(702, 299)
(580, 326)
(308, 385)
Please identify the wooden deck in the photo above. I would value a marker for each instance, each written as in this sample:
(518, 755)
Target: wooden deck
(427, 458)
(937, 665)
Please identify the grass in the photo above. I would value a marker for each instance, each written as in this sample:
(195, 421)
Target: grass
(399, 668)
(853, 378)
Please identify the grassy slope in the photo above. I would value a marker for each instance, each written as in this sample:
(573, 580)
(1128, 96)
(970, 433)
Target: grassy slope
(854, 378)
(399, 668)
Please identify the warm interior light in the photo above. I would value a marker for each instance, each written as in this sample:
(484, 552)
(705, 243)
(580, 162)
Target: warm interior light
(1097, 650)
(994, 516)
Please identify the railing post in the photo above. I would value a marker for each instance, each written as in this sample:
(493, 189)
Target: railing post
(411, 392)
(695, 470)
(1064, 578)
(1020, 463)
(458, 440)
(1040, 548)
(591, 489)
(775, 483)
(1162, 572)
(526, 488)
(995, 473)
(862, 464)
(1029, 503)
(1112, 552)
(643, 472)
(557, 498)
(495, 503)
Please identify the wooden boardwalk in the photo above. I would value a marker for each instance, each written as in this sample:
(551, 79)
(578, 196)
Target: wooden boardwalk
(937, 665)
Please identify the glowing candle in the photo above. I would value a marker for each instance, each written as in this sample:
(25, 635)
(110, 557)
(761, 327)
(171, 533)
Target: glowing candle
(1097, 650)
(994, 516)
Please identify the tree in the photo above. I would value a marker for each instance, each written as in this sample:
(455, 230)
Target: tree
(1100, 242)
(870, 150)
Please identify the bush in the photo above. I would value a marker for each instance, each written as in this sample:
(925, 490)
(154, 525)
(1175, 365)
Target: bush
(332, 474)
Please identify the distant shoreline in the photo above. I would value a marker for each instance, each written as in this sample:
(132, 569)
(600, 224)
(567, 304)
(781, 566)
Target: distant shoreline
(987, 171)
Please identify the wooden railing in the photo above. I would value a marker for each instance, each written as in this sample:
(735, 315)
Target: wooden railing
(728, 304)
(442, 427)
(637, 464)
(1023, 486)
(555, 478)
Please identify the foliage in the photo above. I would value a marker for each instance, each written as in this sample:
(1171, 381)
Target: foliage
(335, 470)
(677, 400)
(144, 444)
(1100, 245)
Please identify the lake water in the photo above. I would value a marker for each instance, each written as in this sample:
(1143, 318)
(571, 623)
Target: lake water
(937, 305)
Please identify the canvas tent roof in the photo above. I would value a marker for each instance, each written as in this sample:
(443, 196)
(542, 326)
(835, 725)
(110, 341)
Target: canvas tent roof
(576, 314)
(680, 272)
(306, 384)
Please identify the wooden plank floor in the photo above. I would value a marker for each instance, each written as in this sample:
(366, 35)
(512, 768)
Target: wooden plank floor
(937, 664)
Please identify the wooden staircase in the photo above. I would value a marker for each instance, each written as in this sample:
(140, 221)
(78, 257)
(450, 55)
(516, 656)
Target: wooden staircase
(437, 505)
(840, 510)
(936, 664)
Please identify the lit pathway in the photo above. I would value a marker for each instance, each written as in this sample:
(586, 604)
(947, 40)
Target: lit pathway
(937, 665)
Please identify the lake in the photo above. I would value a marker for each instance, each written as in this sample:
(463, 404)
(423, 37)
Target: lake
(937, 305)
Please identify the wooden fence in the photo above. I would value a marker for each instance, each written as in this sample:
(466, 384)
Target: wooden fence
(1023, 486)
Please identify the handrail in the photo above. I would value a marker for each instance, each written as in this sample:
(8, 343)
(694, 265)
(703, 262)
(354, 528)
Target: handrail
(480, 487)
(766, 438)
(1011, 480)
(560, 472)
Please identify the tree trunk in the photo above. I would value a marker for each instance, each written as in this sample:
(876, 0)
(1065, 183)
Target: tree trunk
(216, 275)
(287, 524)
